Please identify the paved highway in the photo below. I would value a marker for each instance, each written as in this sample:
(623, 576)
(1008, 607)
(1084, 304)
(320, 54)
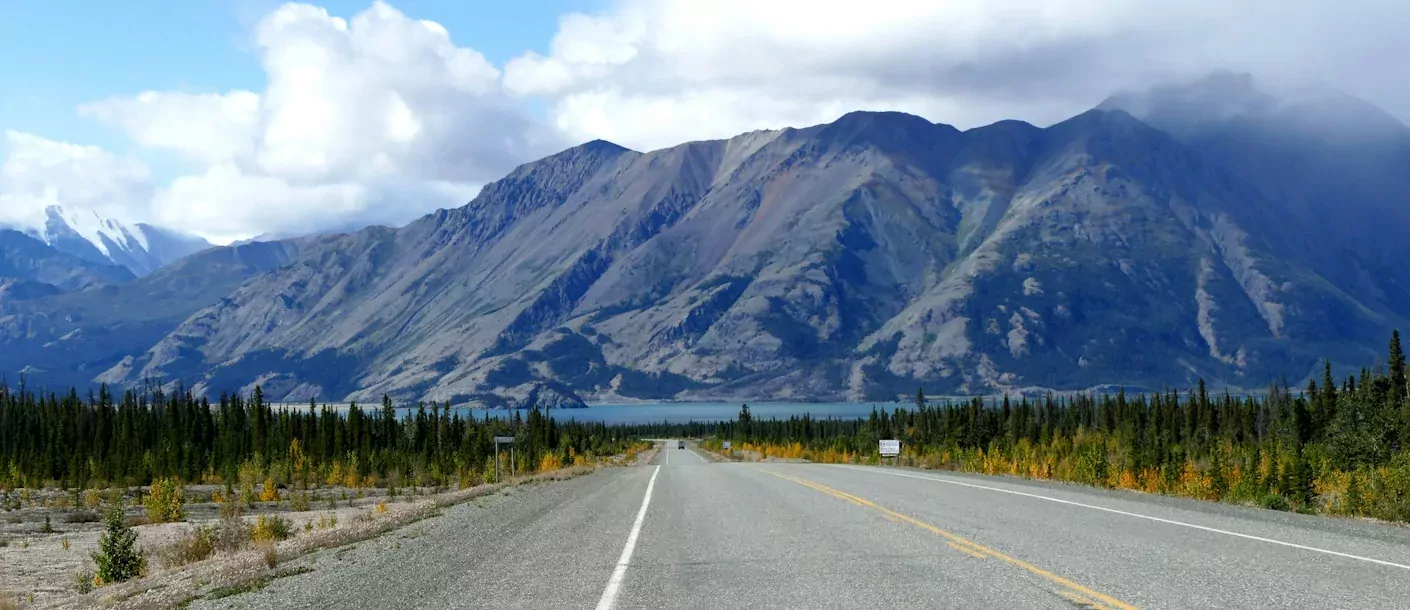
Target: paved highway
(688, 533)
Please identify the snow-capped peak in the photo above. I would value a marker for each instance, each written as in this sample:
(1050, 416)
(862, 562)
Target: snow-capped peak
(96, 230)
(140, 247)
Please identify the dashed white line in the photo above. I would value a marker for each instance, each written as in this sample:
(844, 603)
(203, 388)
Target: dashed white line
(1137, 515)
(609, 595)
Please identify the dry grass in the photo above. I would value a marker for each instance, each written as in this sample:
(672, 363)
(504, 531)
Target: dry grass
(196, 545)
(235, 563)
(269, 552)
(83, 516)
(230, 535)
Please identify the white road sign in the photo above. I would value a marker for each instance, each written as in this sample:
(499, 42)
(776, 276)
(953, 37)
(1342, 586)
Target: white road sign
(726, 444)
(890, 447)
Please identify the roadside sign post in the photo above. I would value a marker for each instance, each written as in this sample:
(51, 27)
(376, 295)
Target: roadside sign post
(889, 448)
(503, 440)
(726, 445)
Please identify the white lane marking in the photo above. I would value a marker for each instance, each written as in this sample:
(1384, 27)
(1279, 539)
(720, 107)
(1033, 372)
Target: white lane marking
(609, 595)
(665, 447)
(1138, 516)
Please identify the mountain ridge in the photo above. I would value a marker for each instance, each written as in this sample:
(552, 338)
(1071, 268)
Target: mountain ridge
(850, 260)
(683, 269)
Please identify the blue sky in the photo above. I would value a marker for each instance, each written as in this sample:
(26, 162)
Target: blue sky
(59, 54)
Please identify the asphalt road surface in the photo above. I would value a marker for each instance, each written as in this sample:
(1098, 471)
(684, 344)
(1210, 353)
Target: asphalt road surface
(688, 533)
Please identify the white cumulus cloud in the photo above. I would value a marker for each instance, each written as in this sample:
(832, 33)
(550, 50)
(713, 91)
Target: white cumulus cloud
(38, 172)
(653, 73)
(207, 127)
(377, 118)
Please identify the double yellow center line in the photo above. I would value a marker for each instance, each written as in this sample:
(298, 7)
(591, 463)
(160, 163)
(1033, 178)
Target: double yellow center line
(1072, 591)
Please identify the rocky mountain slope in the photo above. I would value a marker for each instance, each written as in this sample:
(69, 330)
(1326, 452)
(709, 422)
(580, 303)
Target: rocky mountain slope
(60, 338)
(1338, 167)
(855, 259)
(28, 261)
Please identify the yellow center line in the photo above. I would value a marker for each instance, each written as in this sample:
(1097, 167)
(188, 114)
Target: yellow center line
(963, 549)
(969, 545)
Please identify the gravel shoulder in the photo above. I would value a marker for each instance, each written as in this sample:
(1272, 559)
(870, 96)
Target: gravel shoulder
(530, 546)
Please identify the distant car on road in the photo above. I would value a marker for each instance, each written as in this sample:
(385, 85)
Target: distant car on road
(680, 444)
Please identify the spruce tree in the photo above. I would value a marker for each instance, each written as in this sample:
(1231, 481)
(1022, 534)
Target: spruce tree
(1216, 477)
(1396, 363)
(118, 557)
(1399, 406)
(1329, 398)
(1297, 485)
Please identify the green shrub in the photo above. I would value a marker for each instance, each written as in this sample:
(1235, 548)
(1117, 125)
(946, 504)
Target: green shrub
(166, 501)
(1274, 502)
(83, 582)
(247, 493)
(118, 557)
(271, 529)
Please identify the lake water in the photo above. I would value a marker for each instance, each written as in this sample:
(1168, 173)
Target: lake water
(681, 412)
(657, 412)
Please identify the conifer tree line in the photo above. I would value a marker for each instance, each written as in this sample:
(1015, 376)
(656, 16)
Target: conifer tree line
(106, 440)
(1336, 446)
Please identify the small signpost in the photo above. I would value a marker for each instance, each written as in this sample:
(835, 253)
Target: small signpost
(503, 440)
(726, 445)
(890, 448)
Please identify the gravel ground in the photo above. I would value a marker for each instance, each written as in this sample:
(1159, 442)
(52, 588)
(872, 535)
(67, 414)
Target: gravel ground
(37, 571)
(35, 565)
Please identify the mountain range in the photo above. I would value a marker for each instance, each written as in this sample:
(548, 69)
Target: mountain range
(1210, 230)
